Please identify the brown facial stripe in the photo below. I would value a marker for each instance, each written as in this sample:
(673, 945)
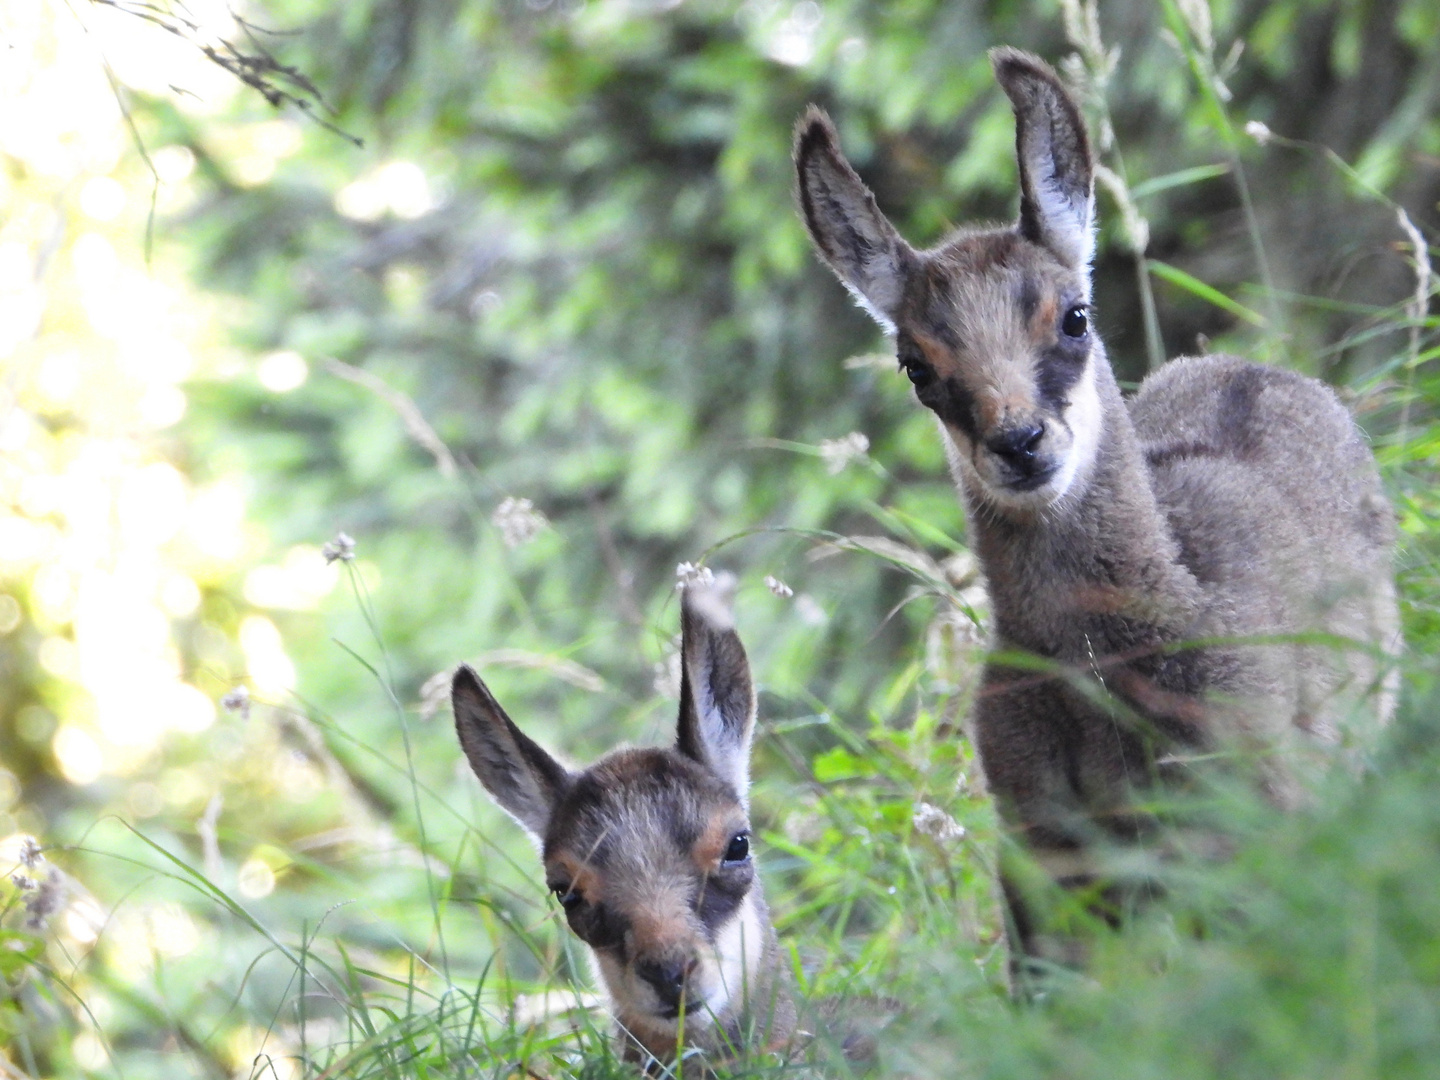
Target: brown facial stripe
(1042, 325)
(940, 358)
(722, 888)
(584, 878)
(593, 920)
(708, 850)
(946, 395)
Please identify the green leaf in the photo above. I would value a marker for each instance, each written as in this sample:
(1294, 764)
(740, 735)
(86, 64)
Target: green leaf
(1182, 178)
(18, 950)
(1194, 285)
(838, 764)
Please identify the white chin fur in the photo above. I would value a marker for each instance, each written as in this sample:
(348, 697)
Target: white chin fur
(738, 948)
(1082, 417)
(724, 977)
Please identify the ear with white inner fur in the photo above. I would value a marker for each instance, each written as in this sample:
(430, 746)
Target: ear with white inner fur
(522, 778)
(850, 232)
(717, 697)
(1057, 172)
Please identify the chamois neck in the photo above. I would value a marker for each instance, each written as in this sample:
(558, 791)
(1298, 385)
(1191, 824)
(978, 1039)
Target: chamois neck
(1097, 570)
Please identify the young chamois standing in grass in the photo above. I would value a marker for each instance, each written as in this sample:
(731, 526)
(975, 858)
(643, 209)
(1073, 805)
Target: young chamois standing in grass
(1225, 501)
(648, 852)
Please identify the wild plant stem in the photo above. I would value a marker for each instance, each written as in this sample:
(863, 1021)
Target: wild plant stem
(387, 682)
(1154, 343)
(1252, 224)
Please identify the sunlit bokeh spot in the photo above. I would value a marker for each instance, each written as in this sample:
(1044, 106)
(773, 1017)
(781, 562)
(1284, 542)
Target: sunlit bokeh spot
(399, 187)
(10, 613)
(162, 406)
(172, 930)
(95, 262)
(406, 189)
(261, 1052)
(360, 200)
(89, 1051)
(271, 671)
(179, 595)
(136, 936)
(58, 377)
(299, 583)
(53, 592)
(22, 541)
(186, 709)
(173, 164)
(84, 919)
(282, 371)
(182, 788)
(78, 755)
(59, 657)
(102, 198)
(256, 879)
(213, 523)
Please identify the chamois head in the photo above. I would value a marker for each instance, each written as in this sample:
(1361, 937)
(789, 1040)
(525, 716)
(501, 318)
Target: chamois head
(992, 326)
(648, 851)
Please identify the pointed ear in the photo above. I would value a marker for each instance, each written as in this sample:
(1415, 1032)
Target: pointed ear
(1057, 173)
(717, 698)
(860, 245)
(522, 778)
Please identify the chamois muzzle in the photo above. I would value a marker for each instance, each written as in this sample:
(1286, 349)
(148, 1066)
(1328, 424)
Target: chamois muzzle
(1018, 448)
(669, 979)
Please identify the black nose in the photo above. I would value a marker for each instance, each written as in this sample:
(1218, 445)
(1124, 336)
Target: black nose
(1016, 445)
(667, 978)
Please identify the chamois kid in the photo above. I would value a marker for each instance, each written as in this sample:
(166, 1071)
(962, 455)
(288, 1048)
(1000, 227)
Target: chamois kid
(648, 852)
(1225, 501)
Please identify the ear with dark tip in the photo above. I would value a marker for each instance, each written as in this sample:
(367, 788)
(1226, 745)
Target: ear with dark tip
(850, 232)
(1057, 172)
(717, 697)
(522, 778)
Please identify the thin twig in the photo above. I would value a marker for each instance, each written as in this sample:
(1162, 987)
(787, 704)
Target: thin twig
(409, 413)
(1415, 312)
(251, 63)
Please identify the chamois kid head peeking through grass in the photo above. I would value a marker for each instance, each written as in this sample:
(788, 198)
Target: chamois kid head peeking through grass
(649, 851)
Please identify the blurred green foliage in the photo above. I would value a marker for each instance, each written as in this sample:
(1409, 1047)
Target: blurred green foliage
(565, 268)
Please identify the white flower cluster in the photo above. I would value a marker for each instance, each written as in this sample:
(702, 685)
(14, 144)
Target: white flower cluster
(932, 821)
(778, 587)
(840, 452)
(1259, 132)
(687, 574)
(518, 521)
(342, 548)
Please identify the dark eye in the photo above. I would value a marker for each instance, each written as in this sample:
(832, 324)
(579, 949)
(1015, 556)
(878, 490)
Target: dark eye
(567, 896)
(1075, 322)
(916, 369)
(739, 849)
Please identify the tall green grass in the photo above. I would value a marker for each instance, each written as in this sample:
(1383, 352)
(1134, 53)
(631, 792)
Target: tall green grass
(431, 949)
